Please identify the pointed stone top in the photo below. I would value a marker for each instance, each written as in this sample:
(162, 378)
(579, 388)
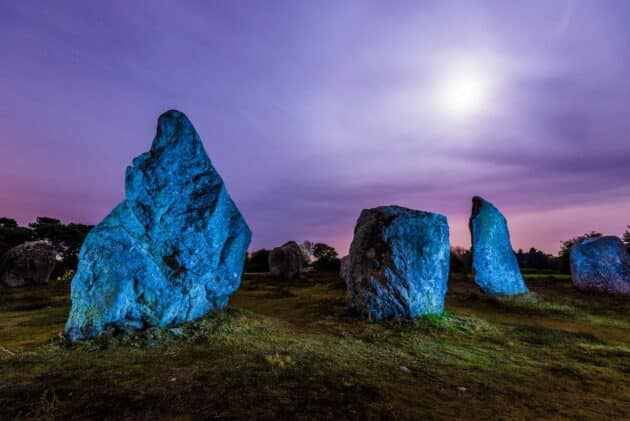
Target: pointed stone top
(172, 116)
(173, 128)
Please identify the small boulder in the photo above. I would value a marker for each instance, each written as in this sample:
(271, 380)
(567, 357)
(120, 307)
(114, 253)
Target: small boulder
(601, 264)
(30, 263)
(495, 267)
(398, 263)
(286, 261)
(171, 252)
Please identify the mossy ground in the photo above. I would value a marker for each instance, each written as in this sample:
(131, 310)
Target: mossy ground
(293, 349)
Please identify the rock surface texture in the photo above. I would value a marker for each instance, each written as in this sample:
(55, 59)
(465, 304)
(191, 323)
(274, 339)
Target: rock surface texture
(171, 252)
(30, 263)
(495, 267)
(601, 264)
(344, 267)
(398, 263)
(286, 261)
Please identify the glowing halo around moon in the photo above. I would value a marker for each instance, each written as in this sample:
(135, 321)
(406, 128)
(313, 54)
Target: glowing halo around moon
(463, 91)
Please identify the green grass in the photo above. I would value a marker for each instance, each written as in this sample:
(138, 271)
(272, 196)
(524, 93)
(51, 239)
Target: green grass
(294, 350)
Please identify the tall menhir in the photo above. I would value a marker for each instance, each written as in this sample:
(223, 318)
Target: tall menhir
(171, 252)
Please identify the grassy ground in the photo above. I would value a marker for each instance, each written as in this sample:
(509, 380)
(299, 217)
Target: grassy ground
(294, 350)
(554, 277)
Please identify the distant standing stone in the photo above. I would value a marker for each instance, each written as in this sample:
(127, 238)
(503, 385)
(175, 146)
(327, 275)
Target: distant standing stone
(30, 263)
(171, 252)
(286, 261)
(398, 263)
(344, 267)
(495, 267)
(601, 264)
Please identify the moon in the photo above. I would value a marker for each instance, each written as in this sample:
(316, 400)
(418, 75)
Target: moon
(463, 92)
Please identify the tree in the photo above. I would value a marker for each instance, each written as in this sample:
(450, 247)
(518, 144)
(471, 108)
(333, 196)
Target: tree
(12, 235)
(565, 251)
(8, 223)
(626, 238)
(71, 240)
(323, 250)
(51, 229)
(461, 260)
(67, 240)
(536, 259)
(327, 260)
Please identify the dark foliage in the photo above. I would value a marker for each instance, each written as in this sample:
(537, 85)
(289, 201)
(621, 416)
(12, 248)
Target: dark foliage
(327, 258)
(12, 235)
(461, 260)
(626, 238)
(257, 261)
(537, 260)
(8, 223)
(66, 238)
(327, 264)
(323, 250)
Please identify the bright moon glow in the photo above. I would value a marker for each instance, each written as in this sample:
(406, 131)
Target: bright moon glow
(463, 92)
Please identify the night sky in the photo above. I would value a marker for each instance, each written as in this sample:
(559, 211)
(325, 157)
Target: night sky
(313, 110)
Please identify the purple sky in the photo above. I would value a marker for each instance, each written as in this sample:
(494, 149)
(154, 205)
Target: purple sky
(313, 110)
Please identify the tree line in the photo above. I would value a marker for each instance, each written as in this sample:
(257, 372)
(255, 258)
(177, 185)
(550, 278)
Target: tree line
(68, 238)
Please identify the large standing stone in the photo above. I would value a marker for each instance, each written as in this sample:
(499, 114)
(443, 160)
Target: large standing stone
(495, 267)
(30, 263)
(286, 261)
(398, 263)
(171, 252)
(601, 264)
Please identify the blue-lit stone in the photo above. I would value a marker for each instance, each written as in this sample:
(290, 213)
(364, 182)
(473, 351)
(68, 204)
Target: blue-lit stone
(171, 252)
(398, 263)
(495, 267)
(601, 264)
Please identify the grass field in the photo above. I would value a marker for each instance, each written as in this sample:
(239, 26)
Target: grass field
(554, 277)
(294, 350)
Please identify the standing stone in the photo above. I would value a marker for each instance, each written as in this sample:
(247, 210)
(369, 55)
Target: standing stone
(601, 264)
(398, 263)
(344, 267)
(171, 252)
(30, 263)
(286, 261)
(495, 267)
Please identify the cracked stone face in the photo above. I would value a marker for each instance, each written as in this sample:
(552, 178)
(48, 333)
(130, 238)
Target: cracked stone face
(171, 252)
(398, 263)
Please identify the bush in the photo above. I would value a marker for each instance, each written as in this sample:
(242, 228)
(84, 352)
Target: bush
(327, 264)
(461, 260)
